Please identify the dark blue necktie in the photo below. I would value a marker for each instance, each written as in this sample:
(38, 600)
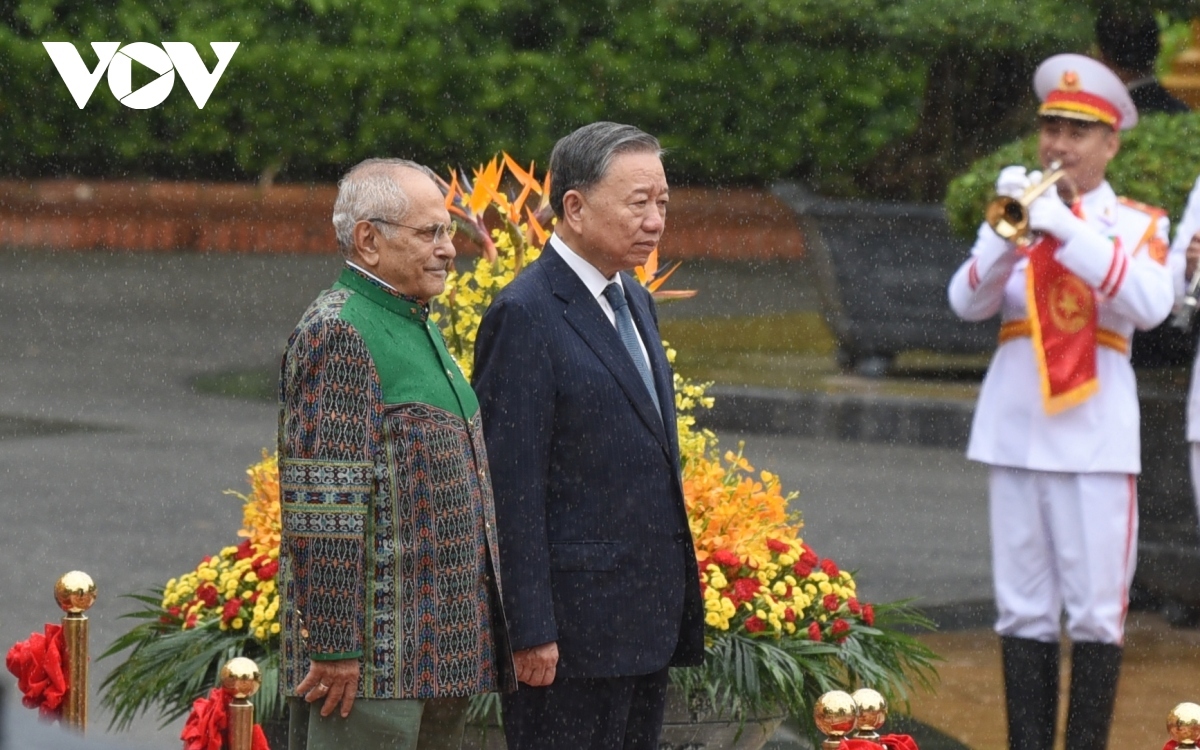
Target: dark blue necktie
(616, 297)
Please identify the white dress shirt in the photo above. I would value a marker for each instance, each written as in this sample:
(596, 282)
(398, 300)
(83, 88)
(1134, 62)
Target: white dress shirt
(371, 276)
(595, 283)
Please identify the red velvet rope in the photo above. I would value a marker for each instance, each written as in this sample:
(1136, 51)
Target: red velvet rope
(40, 666)
(886, 742)
(208, 723)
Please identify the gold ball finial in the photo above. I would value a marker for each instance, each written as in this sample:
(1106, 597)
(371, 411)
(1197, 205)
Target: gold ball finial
(240, 677)
(1183, 724)
(836, 714)
(75, 592)
(872, 710)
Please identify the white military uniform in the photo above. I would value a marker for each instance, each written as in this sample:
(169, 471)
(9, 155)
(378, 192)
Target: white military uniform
(1063, 487)
(1177, 264)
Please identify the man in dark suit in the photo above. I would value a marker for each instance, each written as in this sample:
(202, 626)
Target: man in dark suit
(601, 586)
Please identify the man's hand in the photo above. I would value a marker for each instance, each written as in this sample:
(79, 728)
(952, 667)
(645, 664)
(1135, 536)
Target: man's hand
(332, 681)
(1050, 215)
(1193, 257)
(535, 666)
(1013, 182)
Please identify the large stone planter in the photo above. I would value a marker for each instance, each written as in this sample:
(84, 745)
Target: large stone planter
(882, 270)
(684, 728)
(699, 727)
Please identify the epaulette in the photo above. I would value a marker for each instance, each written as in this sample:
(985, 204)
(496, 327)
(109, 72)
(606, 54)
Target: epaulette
(1146, 208)
(1156, 248)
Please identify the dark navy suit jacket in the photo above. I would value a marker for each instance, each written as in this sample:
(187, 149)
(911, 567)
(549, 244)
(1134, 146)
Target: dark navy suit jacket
(595, 551)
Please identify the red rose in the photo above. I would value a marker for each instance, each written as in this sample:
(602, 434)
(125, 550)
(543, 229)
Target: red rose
(253, 597)
(789, 614)
(830, 568)
(190, 622)
(831, 602)
(807, 562)
(755, 625)
(854, 607)
(814, 632)
(840, 629)
(208, 594)
(232, 607)
(744, 590)
(777, 546)
(727, 559)
(243, 550)
(173, 611)
(868, 614)
(268, 571)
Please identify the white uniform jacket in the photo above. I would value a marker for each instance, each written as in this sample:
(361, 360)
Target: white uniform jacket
(1133, 290)
(1177, 263)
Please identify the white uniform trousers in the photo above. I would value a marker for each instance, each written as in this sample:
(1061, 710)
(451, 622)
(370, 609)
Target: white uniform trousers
(1063, 540)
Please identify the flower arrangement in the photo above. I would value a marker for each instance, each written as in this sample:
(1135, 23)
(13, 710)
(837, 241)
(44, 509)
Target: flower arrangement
(782, 624)
(236, 588)
(227, 606)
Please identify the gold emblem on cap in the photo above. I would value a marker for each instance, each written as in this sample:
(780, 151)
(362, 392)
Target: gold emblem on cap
(1069, 81)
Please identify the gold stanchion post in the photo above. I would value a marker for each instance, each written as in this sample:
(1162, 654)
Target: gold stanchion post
(1183, 724)
(240, 678)
(836, 715)
(872, 713)
(75, 593)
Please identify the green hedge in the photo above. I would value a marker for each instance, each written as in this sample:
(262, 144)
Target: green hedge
(738, 91)
(850, 95)
(1158, 163)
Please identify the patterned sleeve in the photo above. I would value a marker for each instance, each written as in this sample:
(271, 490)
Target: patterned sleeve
(329, 426)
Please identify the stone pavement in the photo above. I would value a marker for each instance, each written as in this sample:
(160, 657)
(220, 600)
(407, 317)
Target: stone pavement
(111, 463)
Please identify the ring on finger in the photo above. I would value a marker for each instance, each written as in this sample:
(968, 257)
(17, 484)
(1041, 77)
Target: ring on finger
(322, 687)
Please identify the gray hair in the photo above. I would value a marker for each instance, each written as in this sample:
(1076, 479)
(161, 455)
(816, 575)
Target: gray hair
(370, 191)
(581, 159)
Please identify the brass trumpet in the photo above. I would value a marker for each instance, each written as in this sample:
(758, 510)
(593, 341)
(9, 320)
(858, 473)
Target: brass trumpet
(1009, 217)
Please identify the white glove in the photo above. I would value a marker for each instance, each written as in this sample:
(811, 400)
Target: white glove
(1013, 182)
(1048, 214)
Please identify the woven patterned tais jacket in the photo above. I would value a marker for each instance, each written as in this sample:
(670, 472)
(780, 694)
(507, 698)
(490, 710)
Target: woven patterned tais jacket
(389, 549)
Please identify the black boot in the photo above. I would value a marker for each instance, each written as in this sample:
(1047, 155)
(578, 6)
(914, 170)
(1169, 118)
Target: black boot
(1030, 692)
(1094, 671)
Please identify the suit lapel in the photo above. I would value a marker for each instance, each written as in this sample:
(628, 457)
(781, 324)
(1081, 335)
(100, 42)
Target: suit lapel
(583, 314)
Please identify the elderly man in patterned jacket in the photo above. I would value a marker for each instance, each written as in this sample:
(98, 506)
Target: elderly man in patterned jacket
(392, 615)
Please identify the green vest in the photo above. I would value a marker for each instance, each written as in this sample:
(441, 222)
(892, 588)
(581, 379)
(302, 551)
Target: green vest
(406, 347)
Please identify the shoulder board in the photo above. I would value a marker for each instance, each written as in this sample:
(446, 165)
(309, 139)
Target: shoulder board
(1145, 208)
(1150, 241)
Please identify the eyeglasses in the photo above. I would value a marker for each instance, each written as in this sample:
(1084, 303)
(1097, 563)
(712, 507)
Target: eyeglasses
(434, 234)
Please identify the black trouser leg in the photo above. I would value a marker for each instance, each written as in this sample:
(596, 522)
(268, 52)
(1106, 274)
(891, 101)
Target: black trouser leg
(1095, 668)
(1030, 692)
